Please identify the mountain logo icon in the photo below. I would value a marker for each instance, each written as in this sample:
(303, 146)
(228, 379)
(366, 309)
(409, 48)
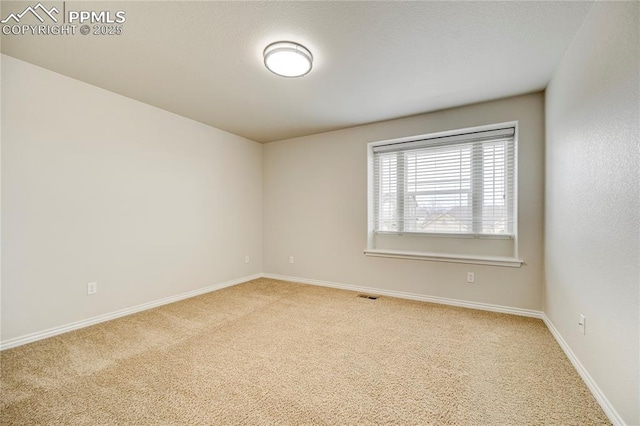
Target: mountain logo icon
(34, 11)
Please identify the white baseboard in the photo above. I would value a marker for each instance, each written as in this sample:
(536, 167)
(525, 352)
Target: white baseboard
(608, 409)
(413, 296)
(22, 340)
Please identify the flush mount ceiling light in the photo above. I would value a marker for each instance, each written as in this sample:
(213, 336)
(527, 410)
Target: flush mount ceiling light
(287, 59)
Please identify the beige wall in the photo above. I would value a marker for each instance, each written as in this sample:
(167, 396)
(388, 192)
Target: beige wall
(315, 209)
(593, 201)
(98, 187)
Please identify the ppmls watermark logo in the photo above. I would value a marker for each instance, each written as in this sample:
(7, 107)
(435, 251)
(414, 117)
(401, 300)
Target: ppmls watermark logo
(57, 20)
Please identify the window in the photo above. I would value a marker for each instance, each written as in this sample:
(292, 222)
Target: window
(445, 197)
(455, 184)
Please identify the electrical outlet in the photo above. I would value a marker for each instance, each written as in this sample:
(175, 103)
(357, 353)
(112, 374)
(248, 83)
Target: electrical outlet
(92, 288)
(471, 277)
(290, 259)
(246, 259)
(582, 323)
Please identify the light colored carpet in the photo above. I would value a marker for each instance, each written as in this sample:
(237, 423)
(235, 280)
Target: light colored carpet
(271, 352)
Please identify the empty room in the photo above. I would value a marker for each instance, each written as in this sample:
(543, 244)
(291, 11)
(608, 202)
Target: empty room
(319, 212)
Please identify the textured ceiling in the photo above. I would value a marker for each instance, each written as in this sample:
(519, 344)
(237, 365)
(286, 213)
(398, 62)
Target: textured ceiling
(373, 60)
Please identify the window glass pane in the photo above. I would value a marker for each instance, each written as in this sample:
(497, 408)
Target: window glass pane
(445, 213)
(445, 168)
(494, 207)
(437, 197)
(387, 193)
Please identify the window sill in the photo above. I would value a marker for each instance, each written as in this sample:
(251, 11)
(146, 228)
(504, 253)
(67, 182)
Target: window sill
(444, 257)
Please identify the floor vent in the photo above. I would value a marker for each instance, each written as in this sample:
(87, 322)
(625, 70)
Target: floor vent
(367, 296)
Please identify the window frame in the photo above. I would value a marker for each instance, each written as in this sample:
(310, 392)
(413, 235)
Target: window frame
(371, 199)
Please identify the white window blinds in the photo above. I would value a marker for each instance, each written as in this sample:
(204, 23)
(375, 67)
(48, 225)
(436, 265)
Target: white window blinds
(461, 184)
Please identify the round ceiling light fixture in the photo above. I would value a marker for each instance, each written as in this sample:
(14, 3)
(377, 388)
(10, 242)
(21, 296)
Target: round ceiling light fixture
(288, 59)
